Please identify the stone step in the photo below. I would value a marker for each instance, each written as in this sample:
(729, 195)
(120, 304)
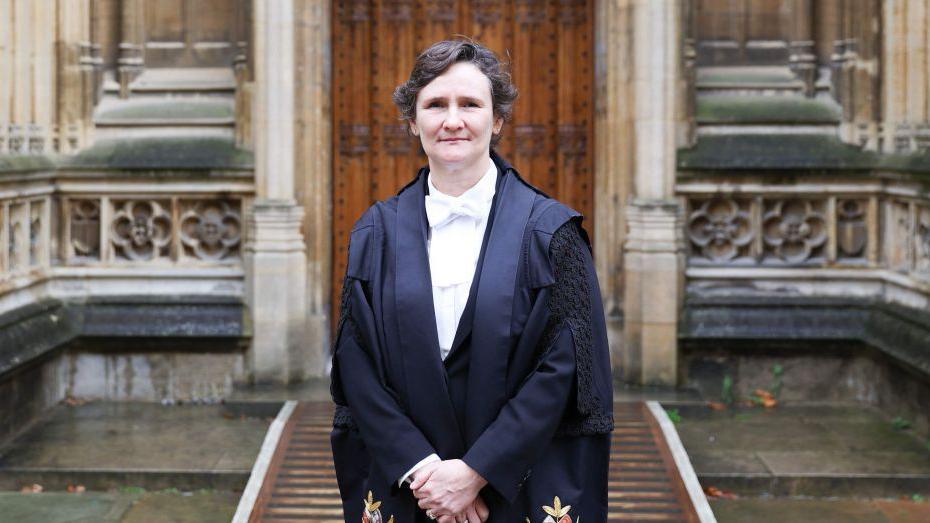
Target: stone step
(803, 450)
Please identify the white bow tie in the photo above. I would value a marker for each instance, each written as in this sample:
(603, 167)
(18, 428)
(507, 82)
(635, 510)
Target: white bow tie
(440, 211)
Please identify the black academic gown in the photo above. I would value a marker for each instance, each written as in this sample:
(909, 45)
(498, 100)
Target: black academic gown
(524, 396)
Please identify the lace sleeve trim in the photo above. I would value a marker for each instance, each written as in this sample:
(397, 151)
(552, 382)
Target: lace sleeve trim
(570, 306)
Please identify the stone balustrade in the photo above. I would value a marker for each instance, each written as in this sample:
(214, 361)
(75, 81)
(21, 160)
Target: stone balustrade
(119, 233)
(828, 235)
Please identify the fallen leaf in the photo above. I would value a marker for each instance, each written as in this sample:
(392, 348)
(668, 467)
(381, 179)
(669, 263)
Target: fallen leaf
(76, 489)
(716, 405)
(35, 488)
(715, 492)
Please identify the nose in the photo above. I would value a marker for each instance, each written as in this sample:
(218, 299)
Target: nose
(453, 120)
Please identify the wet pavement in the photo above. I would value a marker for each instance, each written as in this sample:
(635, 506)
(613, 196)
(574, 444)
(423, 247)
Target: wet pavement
(780, 510)
(120, 506)
(105, 445)
(823, 451)
(803, 463)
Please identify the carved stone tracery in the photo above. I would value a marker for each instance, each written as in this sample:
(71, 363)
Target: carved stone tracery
(851, 229)
(210, 230)
(141, 230)
(794, 231)
(720, 229)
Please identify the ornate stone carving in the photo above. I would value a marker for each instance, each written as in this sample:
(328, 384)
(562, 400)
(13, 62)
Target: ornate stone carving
(720, 230)
(922, 242)
(15, 229)
(210, 230)
(794, 231)
(35, 232)
(18, 250)
(851, 230)
(141, 229)
(85, 228)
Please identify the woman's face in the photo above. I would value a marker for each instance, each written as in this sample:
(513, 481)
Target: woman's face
(454, 117)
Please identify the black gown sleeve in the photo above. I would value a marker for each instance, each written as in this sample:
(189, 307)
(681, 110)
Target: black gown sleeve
(572, 306)
(363, 398)
(528, 421)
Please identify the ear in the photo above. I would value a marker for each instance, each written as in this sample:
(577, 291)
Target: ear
(413, 128)
(498, 124)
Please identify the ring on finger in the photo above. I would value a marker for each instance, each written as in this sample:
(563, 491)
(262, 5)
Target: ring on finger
(429, 514)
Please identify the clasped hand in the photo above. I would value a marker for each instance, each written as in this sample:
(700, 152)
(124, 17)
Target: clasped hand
(449, 490)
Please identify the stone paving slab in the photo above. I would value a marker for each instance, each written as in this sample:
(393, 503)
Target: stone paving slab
(820, 511)
(61, 507)
(184, 446)
(183, 507)
(814, 450)
(846, 463)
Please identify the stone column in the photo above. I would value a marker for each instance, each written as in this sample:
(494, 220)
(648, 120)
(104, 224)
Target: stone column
(314, 172)
(275, 258)
(613, 165)
(132, 44)
(78, 63)
(654, 257)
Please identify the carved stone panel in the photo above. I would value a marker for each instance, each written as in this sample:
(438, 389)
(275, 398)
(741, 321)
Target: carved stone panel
(85, 228)
(18, 249)
(720, 231)
(794, 231)
(896, 232)
(36, 240)
(141, 229)
(851, 229)
(922, 243)
(211, 229)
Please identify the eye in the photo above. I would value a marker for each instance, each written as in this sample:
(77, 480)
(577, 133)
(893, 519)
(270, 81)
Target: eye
(433, 104)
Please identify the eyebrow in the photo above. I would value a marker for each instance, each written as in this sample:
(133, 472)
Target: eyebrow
(443, 99)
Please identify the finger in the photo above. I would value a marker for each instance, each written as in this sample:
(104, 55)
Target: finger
(482, 509)
(420, 479)
(472, 515)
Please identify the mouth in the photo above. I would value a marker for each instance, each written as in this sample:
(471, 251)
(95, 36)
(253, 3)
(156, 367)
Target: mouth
(453, 140)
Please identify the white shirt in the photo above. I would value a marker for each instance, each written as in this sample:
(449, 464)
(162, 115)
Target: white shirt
(456, 231)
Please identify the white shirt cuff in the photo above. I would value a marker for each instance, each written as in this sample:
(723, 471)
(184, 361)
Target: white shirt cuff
(406, 477)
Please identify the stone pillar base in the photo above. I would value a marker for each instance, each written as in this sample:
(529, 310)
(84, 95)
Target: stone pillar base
(275, 273)
(654, 287)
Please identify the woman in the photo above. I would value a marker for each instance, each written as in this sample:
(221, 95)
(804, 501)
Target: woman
(470, 370)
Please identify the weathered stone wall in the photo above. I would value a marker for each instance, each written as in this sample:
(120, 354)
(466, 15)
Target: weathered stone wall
(827, 372)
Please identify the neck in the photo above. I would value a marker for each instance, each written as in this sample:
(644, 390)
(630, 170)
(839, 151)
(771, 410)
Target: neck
(455, 180)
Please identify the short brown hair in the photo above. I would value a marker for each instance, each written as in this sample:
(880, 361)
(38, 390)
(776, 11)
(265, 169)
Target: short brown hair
(439, 57)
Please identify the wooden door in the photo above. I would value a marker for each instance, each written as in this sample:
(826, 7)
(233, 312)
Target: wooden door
(550, 140)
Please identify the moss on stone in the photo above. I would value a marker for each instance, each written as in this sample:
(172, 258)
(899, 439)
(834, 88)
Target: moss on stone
(169, 110)
(25, 163)
(766, 109)
(774, 152)
(746, 76)
(163, 153)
